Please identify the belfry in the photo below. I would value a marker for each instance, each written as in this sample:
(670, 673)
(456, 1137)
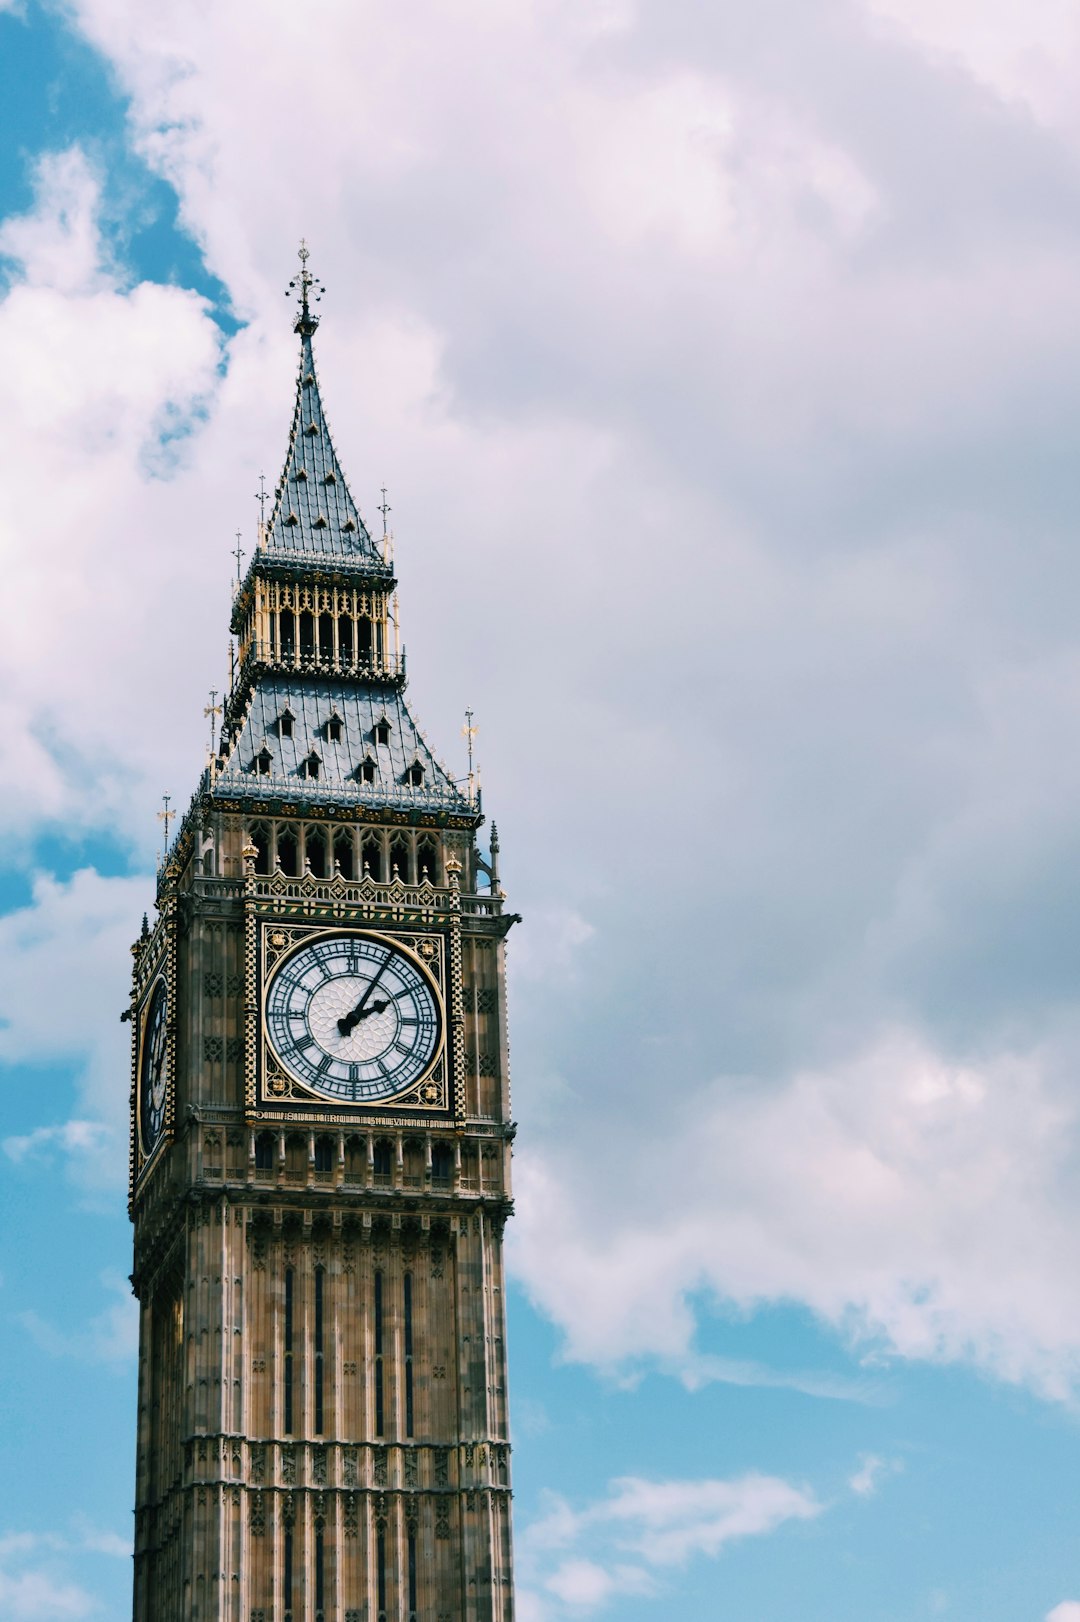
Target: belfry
(320, 1129)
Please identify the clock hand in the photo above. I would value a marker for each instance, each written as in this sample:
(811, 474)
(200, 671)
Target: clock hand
(377, 1007)
(355, 1015)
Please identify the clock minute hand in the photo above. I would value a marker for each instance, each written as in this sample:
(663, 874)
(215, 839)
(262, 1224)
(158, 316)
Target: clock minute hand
(355, 1015)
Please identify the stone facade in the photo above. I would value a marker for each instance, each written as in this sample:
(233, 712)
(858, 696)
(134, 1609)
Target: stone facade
(323, 1427)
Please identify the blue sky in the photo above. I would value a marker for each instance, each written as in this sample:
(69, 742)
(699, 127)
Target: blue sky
(723, 365)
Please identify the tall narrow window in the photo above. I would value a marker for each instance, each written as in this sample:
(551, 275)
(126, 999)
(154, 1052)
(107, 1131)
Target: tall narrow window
(264, 1151)
(380, 1411)
(307, 637)
(287, 1575)
(288, 634)
(287, 1359)
(408, 1363)
(343, 854)
(344, 639)
(380, 1572)
(372, 857)
(261, 841)
(287, 853)
(320, 1277)
(412, 1575)
(320, 1575)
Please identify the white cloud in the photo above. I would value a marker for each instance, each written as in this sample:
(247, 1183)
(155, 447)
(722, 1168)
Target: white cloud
(867, 1478)
(1067, 1611)
(64, 972)
(73, 1137)
(110, 1337)
(34, 1582)
(920, 1206)
(627, 1541)
(733, 457)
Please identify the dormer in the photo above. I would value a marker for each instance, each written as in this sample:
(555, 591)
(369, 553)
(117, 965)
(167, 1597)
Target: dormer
(263, 762)
(311, 766)
(285, 723)
(333, 728)
(367, 770)
(414, 773)
(380, 732)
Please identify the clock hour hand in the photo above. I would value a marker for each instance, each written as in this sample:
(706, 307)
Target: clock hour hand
(348, 1021)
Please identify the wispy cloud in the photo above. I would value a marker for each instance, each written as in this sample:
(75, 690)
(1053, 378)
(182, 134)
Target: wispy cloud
(35, 1580)
(626, 1542)
(110, 1337)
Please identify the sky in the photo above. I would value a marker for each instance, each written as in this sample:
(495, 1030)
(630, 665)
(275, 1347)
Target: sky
(722, 364)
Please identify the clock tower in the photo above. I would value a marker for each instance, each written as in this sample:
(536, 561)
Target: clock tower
(320, 1138)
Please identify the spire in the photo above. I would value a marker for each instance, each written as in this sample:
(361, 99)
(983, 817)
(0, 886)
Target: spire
(304, 286)
(314, 515)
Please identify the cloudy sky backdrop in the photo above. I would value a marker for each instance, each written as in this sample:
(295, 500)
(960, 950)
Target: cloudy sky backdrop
(723, 365)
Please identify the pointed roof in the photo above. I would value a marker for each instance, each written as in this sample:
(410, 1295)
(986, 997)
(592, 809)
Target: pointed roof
(314, 515)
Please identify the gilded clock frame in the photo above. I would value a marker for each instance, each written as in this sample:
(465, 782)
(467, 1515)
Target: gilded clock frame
(270, 1087)
(163, 974)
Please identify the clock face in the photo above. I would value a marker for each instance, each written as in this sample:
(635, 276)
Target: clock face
(152, 1072)
(353, 1018)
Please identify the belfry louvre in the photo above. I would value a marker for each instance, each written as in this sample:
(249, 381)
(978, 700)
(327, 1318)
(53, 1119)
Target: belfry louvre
(320, 1128)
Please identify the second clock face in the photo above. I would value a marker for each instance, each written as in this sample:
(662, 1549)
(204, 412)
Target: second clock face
(153, 1077)
(353, 1018)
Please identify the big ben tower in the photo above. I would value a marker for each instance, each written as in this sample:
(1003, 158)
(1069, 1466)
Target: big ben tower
(320, 1124)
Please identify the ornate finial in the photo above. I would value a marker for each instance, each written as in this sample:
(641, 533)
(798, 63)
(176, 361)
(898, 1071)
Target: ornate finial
(262, 498)
(211, 710)
(166, 816)
(304, 288)
(468, 732)
(238, 553)
(384, 509)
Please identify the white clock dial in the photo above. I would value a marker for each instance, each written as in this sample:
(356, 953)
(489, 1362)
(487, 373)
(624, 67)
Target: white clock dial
(353, 1018)
(153, 1077)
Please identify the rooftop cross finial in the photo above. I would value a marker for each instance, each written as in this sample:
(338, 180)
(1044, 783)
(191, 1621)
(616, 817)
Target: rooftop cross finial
(384, 509)
(166, 817)
(238, 553)
(304, 288)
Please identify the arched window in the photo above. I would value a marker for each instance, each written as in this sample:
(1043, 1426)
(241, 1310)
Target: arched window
(261, 840)
(288, 633)
(307, 637)
(399, 858)
(344, 639)
(324, 1154)
(315, 851)
(326, 637)
(287, 852)
(384, 1158)
(371, 859)
(343, 853)
(442, 1163)
(264, 1152)
(427, 859)
(363, 652)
